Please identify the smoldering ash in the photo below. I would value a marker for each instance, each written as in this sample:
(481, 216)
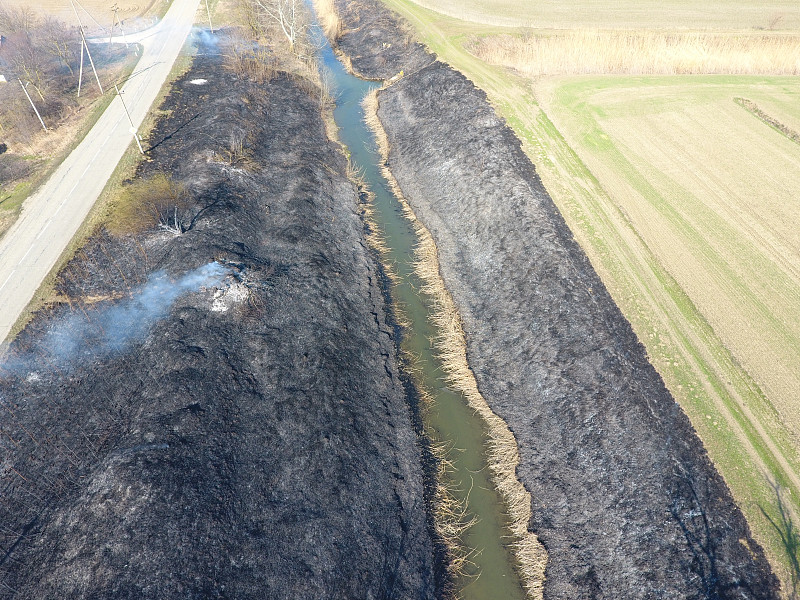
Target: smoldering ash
(81, 336)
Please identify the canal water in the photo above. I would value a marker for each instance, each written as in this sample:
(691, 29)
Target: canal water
(448, 420)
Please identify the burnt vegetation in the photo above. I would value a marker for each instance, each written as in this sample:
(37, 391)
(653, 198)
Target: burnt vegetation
(254, 440)
(624, 497)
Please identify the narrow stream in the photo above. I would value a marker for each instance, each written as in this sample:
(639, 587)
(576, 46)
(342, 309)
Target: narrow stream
(448, 419)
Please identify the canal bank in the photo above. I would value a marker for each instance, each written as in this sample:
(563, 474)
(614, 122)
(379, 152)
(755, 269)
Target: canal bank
(624, 497)
(471, 517)
(254, 440)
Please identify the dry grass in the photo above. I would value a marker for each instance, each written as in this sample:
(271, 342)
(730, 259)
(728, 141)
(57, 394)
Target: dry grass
(754, 109)
(601, 52)
(96, 11)
(502, 452)
(145, 204)
(250, 61)
(629, 14)
(328, 19)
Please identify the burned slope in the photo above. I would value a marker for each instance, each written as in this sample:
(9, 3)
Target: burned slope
(377, 43)
(254, 441)
(626, 500)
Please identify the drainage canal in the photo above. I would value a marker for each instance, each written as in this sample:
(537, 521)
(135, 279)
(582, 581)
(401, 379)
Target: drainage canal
(448, 421)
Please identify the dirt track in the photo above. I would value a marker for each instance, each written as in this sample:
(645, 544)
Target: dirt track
(255, 440)
(625, 499)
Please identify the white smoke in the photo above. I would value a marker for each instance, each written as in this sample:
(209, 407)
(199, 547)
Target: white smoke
(82, 336)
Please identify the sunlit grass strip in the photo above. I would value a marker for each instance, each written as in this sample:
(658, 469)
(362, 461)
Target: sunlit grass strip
(502, 452)
(607, 52)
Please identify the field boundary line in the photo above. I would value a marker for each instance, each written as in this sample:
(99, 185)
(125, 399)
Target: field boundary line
(762, 116)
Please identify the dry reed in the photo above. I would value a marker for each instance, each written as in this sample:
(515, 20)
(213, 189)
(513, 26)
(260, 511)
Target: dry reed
(580, 51)
(328, 18)
(502, 452)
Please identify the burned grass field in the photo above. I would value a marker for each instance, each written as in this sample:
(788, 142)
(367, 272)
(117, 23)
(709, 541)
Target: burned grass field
(250, 436)
(625, 499)
(698, 344)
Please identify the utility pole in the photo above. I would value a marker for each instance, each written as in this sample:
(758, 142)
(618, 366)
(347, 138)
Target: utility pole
(208, 10)
(116, 21)
(85, 45)
(25, 89)
(80, 71)
(133, 127)
(89, 54)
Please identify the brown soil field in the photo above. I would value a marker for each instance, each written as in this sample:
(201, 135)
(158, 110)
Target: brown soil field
(96, 13)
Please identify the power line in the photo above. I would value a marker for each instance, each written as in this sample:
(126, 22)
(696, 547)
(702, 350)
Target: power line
(116, 21)
(85, 46)
(87, 13)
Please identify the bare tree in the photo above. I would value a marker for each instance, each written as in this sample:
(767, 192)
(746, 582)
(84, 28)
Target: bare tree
(58, 41)
(17, 19)
(288, 14)
(293, 18)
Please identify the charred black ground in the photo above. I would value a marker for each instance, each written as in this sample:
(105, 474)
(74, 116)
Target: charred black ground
(625, 498)
(257, 447)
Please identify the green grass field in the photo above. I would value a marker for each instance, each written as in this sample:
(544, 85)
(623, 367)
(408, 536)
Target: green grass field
(686, 204)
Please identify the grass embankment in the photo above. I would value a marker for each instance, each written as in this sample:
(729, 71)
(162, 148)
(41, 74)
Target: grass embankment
(502, 453)
(745, 435)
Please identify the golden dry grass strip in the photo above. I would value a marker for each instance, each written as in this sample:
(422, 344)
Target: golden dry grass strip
(606, 52)
(328, 18)
(502, 452)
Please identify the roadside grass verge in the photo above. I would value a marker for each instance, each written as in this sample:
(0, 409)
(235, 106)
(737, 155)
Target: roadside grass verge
(744, 435)
(99, 215)
(11, 203)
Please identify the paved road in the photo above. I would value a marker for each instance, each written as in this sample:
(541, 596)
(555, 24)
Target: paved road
(51, 217)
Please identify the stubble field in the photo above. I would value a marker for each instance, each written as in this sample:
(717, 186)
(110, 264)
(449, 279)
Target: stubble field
(630, 14)
(94, 13)
(682, 191)
(711, 189)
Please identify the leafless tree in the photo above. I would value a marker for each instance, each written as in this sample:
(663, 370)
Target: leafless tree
(59, 41)
(289, 14)
(291, 17)
(15, 19)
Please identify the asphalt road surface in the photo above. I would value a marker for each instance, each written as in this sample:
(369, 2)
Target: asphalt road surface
(52, 216)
